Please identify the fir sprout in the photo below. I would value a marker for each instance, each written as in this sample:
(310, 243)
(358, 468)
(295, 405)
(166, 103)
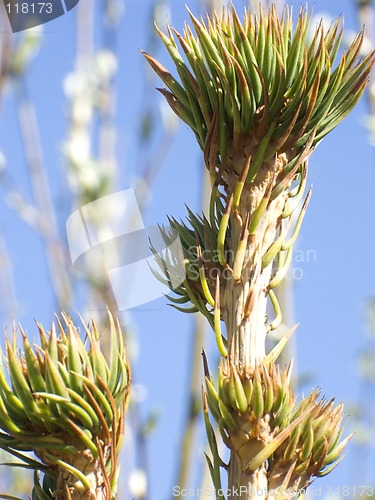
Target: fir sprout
(259, 95)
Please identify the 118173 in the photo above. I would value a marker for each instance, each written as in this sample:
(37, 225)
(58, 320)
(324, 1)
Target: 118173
(29, 8)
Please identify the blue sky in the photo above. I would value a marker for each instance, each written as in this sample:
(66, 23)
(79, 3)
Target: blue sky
(333, 260)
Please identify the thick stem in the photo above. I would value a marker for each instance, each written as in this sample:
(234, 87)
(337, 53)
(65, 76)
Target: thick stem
(243, 485)
(247, 349)
(245, 322)
(96, 473)
(245, 302)
(66, 482)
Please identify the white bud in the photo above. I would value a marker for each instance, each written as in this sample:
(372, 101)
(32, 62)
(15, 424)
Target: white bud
(138, 483)
(106, 64)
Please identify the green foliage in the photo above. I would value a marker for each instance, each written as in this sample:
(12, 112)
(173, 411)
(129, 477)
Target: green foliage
(65, 403)
(261, 82)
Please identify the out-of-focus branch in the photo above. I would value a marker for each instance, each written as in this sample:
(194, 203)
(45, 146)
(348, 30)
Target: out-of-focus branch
(85, 31)
(5, 48)
(42, 195)
(365, 9)
(90, 90)
(152, 160)
(41, 212)
(7, 290)
(107, 111)
(364, 411)
(186, 457)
